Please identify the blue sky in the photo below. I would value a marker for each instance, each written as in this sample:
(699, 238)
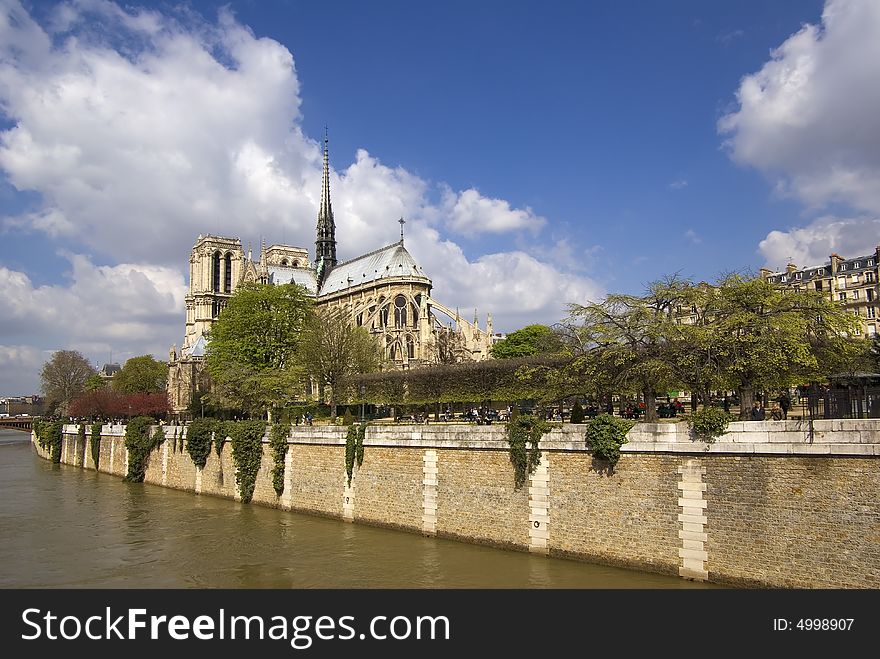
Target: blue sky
(542, 153)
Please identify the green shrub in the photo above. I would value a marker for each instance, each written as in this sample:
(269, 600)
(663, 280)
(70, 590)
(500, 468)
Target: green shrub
(577, 413)
(709, 423)
(605, 435)
(50, 437)
(347, 418)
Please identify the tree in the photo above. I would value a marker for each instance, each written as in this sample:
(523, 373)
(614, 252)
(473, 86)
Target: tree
(631, 338)
(528, 341)
(253, 349)
(769, 338)
(94, 382)
(334, 351)
(64, 377)
(141, 375)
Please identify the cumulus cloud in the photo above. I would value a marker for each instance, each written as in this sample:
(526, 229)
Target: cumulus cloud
(693, 237)
(19, 369)
(138, 130)
(810, 118)
(814, 243)
(126, 309)
(471, 213)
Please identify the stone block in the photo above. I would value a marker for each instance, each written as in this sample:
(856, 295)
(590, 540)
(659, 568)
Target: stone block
(693, 503)
(697, 554)
(691, 573)
(692, 519)
(693, 535)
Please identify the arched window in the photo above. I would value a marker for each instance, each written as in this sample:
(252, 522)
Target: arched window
(295, 264)
(215, 282)
(410, 347)
(392, 350)
(227, 273)
(400, 311)
(383, 316)
(283, 263)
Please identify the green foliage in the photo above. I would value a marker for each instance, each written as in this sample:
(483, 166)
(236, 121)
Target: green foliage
(49, 436)
(347, 418)
(140, 443)
(523, 429)
(606, 434)
(709, 423)
(354, 448)
(141, 375)
(253, 353)
(94, 382)
(95, 441)
(198, 439)
(278, 441)
(81, 443)
(247, 452)
(528, 341)
(577, 413)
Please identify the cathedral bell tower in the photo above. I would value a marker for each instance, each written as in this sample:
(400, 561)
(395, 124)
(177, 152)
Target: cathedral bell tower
(325, 243)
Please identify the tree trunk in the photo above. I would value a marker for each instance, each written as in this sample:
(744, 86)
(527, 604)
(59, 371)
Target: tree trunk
(650, 406)
(746, 400)
(333, 411)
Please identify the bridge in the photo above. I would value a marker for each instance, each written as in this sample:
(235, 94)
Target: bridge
(24, 423)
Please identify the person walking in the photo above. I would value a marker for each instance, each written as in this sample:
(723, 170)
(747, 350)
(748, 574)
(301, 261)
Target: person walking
(784, 404)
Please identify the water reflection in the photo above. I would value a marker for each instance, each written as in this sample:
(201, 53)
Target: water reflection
(64, 527)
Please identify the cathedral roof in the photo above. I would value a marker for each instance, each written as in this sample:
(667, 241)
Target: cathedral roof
(388, 262)
(305, 277)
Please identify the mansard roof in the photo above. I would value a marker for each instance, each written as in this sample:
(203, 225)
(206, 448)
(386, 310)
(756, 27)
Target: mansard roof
(305, 277)
(389, 262)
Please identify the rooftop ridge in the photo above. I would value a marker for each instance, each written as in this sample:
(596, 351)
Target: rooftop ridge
(363, 256)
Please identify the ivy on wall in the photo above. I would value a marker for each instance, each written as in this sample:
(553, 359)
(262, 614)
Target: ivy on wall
(605, 435)
(198, 439)
(709, 423)
(140, 444)
(95, 441)
(523, 429)
(278, 441)
(81, 444)
(247, 451)
(49, 437)
(354, 448)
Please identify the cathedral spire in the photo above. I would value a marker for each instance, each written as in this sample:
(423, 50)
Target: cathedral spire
(325, 242)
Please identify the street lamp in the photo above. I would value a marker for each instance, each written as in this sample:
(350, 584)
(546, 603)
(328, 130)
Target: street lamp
(362, 389)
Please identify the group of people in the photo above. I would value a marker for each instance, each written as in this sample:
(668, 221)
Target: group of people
(779, 411)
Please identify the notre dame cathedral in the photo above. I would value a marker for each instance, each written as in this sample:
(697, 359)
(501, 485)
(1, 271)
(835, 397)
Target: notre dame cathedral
(385, 291)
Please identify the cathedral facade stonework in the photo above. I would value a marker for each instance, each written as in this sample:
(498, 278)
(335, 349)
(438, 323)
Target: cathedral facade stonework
(385, 291)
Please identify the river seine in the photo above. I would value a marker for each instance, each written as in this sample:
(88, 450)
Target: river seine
(63, 527)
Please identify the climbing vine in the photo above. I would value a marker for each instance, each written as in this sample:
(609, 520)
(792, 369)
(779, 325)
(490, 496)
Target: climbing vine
(81, 443)
(247, 451)
(198, 439)
(49, 436)
(140, 443)
(278, 442)
(354, 448)
(605, 435)
(520, 430)
(96, 443)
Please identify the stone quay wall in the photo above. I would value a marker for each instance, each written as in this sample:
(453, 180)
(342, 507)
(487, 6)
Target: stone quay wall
(774, 504)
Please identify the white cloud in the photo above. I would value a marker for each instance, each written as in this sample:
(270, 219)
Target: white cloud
(470, 213)
(139, 131)
(17, 361)
(126, 309)
(814, 243)
(810, 118)
(692, 236)
(679, 184)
